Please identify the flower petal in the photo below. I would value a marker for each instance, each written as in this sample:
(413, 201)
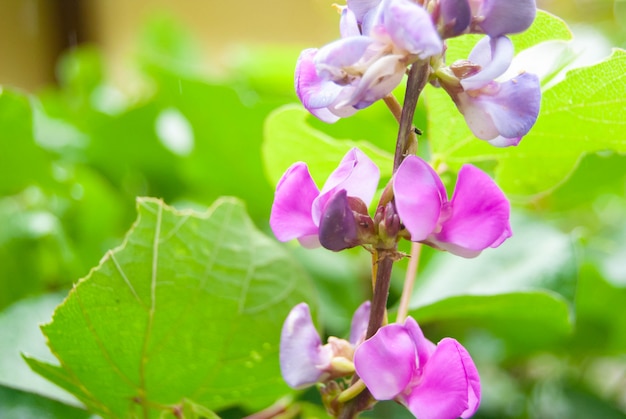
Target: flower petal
(362, 7)
(356, 173)
(419, 195)
(500, 17)
(302, 357)
(338, 230)
(494, 55)
(480, 215)
(386, 362)
(314, 93)
(348, 25)
(360, 319)
(409, 26)
(291, 211)
(515, 107)
(345, 52)
(424, 347)
(377, 82)
(456, 16)
(450, 385)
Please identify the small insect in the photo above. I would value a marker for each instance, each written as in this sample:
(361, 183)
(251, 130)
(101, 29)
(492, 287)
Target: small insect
(417, 131)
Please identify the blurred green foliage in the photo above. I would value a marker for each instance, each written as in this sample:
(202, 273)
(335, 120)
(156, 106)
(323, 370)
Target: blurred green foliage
(542, 316)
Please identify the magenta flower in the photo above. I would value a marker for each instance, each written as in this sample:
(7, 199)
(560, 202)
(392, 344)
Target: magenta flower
(432, 381)
(499, 112)
(304, 360)
(476, 218)
(379, 41)
(301, 211)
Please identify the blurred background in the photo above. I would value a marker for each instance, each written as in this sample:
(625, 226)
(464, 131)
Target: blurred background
(105, 100)
(35, 32)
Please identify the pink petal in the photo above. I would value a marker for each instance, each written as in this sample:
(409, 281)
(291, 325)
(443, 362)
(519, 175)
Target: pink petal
(423, 346)
(302, 357)
(386, 362)
(291, 211)
(356, 173)
(450, 385)
(419, 195)
(480, 215)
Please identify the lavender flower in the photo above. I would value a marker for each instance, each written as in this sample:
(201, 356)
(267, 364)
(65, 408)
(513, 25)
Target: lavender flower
(380, 40)
(432, 381)
(304, 360)
(499, 112)
(300, 211)
(500, 17)
(477, 217)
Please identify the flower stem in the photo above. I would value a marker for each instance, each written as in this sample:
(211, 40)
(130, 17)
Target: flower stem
(409, 281)
(407, 141)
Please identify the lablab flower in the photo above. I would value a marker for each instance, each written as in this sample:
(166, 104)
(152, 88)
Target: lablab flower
(477, 216)
(301, 211)
(304, 361)
(379, 41)
(500, 112)
(432, 381)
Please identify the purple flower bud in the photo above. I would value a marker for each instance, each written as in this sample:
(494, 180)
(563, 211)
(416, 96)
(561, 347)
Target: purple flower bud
(433, 382)
(456, 16)
(501, 17)
(299, 206)
(338, 228)
(476, 218)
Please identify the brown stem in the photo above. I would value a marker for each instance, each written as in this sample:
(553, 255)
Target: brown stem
(406, 142)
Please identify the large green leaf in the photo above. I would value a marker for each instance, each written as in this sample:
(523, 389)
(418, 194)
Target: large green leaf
(289, 138)
(188, 310)
(525, 320)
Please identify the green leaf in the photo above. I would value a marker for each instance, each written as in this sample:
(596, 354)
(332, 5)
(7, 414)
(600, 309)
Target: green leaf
(288, 138)
(537, 257)
(19, 333)
(18, 404)
(22, 161)
(190, 307)
(581, 114)
(524, 320)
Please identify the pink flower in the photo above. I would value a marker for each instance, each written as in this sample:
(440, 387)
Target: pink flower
(301, 211)
(477, 217)
(432, 381)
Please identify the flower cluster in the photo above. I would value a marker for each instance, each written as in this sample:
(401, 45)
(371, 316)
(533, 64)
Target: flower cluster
(380, 38)
(477, 216)
(398, 362)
